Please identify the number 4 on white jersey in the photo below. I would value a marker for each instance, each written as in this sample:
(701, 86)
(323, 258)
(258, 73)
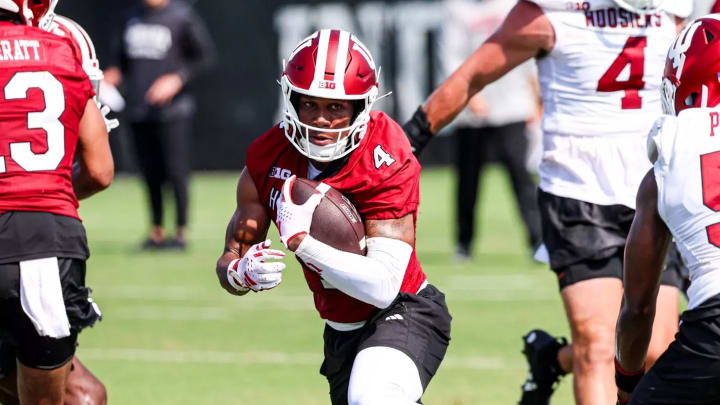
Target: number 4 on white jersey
(381, 157)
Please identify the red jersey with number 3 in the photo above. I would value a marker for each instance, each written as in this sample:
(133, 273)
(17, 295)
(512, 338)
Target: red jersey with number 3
(43, 94)
(381, 178)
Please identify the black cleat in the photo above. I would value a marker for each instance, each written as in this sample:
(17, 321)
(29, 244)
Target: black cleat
(541, 351)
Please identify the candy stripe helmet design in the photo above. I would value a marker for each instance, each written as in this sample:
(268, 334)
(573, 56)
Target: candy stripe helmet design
(692, 68)
(641, 6)
(331, 64)
(42, 12)
(66, 27)
(32, 12)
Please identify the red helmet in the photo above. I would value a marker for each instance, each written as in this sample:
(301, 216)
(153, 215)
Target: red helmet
(31, 11)
(346, 72)
(692, 69)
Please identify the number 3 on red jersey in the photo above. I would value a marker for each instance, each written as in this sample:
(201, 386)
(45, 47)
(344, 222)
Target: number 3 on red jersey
(48, 120)
(633, 54)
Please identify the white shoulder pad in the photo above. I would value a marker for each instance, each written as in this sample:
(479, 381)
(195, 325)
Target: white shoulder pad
(660, 138)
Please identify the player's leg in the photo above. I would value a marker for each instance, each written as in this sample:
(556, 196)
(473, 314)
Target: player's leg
(412, 336)
(83, 388)
(666, 323)
(40, 386)
(176, 137)
(513, 149)
(592, 307)
(585, 243)
(147, 148)
(469, 161)
(383, 375)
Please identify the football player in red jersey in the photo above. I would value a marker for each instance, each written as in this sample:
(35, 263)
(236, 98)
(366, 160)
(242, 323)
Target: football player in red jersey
(47, 115)
(82, 386)
(387, 329)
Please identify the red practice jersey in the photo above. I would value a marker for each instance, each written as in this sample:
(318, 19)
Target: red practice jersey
(43, 94)
(381, 178)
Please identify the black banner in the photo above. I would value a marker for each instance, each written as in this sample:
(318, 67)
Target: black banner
(239, 100)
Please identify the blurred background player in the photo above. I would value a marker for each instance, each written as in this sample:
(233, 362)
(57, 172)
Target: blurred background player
(678, 198)
(82, 386)
(164, 45)
(48, 101)
(493, 126)
(599, 68)
(387, 329)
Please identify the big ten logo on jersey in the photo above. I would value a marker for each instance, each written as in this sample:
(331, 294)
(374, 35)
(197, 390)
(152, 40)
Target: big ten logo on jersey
(275, 196)
(279, 173)
(714, 122)
(381, 157)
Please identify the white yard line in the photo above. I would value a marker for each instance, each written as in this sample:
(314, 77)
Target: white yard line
(299, 359)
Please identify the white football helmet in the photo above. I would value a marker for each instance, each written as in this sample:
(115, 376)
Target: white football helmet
(331, 64)
(640, 6)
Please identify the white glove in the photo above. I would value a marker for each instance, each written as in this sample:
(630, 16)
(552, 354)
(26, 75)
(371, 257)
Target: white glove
(253, 272)
(110, 123)
(292, 219)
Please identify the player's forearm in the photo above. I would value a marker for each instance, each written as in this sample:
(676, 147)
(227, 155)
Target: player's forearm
(374, 279)
(448, 100)
(85, 185)
(634, 329)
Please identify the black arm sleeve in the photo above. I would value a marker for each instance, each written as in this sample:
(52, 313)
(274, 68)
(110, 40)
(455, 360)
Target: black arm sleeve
(198, 48)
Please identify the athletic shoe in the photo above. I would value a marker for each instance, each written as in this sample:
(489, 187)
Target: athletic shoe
(540, 350)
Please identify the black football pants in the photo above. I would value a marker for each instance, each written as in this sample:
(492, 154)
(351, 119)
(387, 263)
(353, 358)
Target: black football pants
(508, 145)
(163, 150)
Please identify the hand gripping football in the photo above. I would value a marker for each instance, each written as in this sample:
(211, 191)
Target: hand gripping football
(335, 222)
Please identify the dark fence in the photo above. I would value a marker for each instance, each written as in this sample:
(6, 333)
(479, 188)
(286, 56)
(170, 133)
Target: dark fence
(239, 99)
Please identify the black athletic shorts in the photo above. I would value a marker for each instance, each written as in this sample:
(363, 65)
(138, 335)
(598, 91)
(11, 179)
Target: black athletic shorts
(422, 331)
(689, 370)
(18, 336)
(587, 241)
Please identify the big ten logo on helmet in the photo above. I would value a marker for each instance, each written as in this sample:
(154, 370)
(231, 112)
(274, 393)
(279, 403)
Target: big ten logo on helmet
(280, 173)
(392, 31)
(327, 85)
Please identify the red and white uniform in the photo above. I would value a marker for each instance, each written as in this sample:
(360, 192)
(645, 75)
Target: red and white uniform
(43, 97)
(381, 178)
(687, 172)
(601, 94)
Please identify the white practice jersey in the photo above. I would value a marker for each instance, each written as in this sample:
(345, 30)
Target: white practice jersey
(601, 93)
(687, 172)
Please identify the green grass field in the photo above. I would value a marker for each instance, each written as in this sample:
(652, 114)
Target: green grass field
(171, 335)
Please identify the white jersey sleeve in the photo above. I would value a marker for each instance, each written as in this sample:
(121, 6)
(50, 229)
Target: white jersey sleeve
(601, 92)
(687, 173)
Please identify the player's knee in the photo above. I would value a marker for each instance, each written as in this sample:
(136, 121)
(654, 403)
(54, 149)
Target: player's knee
(388, 394)
(89, 392)
(593, 345)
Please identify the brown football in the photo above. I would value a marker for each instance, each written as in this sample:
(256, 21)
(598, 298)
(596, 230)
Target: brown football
(335, 222)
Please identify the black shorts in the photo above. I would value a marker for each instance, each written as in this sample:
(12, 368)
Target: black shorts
(18, 336)
(587, 241)
(423, 334)
(689, 370)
